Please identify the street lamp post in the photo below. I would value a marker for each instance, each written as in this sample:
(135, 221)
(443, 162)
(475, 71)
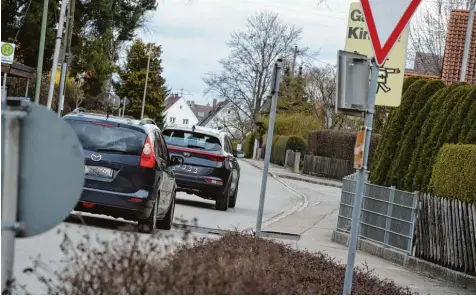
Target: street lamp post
(145, 85)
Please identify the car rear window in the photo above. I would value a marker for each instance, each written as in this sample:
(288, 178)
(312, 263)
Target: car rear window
(193, 140)
(95, 136)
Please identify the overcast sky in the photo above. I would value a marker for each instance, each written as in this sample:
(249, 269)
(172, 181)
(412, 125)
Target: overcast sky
(193, 33)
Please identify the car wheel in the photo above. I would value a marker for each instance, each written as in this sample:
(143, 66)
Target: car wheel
(166, 223)
(149, 225)
(221, 203)
(232, 201)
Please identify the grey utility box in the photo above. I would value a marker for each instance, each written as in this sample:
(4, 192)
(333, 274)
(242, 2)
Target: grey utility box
(353, 73)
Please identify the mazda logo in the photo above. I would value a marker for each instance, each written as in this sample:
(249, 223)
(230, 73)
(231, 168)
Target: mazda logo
(96, 157)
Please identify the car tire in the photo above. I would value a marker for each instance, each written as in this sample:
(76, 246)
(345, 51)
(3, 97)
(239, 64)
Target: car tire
(149, 225)
(167, 222)
(222, 201)
(232, 200)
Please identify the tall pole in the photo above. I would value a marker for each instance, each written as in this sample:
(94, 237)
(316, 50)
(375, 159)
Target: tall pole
(294, 60)
(255, 111)
(359, 189)
(10, 193)
(66, 58)
(272, 114)
(59, 36)
(39, 67)
(145, 85)
(467, 41)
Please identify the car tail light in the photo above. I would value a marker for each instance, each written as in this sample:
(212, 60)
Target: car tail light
(135, 199)
(218, 158)
(88, 204)
(147, 158)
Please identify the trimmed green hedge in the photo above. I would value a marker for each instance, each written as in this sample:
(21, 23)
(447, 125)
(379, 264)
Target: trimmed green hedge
(248, 145)
(467, 134)
(408, 138)
(409, 81)
(454, 173)
(338, 144)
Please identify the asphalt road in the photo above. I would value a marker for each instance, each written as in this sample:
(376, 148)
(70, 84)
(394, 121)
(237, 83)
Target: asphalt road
(280, 201)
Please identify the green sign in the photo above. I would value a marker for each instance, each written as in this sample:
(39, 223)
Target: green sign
(8, 52)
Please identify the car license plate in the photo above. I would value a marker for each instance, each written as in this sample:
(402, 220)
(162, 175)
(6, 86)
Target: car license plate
(98, 171)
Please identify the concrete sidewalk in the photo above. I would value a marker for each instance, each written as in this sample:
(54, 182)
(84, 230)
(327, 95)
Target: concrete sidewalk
(281, 172)
(316, 222)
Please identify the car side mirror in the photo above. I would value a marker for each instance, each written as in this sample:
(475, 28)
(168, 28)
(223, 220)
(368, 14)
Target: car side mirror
(235, 153)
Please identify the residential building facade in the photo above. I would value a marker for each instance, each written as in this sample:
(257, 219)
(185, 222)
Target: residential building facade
(177, 111)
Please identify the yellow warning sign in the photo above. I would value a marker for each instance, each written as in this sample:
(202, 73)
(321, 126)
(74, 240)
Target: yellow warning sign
(391, 74)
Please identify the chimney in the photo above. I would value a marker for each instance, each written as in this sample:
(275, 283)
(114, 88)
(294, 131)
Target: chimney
(214, 104)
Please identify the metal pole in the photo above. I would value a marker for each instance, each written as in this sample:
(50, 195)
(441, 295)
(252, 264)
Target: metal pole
(145, 86)
(255, 108)
(39, 67)
(4, 86)
(467, 42)
(26, 89)
(354, 231)
(294, 60)
(10, 194)
(59, 36)
(272, 114)
(123, 106)
(61, 88)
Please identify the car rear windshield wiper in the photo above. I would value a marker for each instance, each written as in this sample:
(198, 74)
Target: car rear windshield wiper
(112, 150)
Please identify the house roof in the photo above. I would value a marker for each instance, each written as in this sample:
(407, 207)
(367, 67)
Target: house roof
(427, 64)
(201, 109)
(172, 99)
(212, 114)
(454, 48)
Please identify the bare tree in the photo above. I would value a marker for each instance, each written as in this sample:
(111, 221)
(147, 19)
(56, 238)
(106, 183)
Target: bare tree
(428, 34)
(245, 75)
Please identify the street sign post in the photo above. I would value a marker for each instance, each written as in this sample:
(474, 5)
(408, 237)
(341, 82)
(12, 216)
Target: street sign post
(276, 79)
(42, 174)
(8, 52)
(385, 20)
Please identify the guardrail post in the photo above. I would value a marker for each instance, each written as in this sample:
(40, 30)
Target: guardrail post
(388, 221)
(412, 223)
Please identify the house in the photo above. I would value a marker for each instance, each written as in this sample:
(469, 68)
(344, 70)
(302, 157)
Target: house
(222, 117)
(201, 111)
(454, 48)
(178, 111)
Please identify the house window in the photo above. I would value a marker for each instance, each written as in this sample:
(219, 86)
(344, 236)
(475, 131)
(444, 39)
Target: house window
(185, 121)
(180, 106)
(229, 111)
(172, 119)
(201, 114)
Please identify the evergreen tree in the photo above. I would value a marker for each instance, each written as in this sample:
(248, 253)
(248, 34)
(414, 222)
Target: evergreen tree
(432, 146)
(409, 81)
(392, 135)
(133, 79)
(457, 118)
(471, 136)
(469, 119)
(292, 98)
(404, 148)
(426, 128)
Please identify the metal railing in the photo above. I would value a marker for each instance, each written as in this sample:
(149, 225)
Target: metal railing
(388, 215)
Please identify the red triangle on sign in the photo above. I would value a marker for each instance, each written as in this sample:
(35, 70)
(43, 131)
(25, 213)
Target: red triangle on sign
(380, 8)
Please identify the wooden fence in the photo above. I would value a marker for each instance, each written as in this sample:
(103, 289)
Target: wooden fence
(445, 233)
(327, 167)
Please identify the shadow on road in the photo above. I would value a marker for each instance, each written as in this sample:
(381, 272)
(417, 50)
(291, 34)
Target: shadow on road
(101, 222)
(194, 203)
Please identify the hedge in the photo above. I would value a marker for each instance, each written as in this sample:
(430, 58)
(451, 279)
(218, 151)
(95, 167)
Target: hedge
(404, 148)
(409, 81)
(294, 124)
(338, 144)
(469, 123)
(248, 145)
(432, 145)
(426, 128)
(459, 116)
(382, 164)
(454, 172)
(284, 143)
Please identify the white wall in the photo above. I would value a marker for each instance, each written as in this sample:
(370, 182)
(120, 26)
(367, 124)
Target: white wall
(225, 116)
(180, 110)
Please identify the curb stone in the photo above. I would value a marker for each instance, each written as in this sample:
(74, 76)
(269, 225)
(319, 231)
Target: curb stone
(412, 263)
(290, 177)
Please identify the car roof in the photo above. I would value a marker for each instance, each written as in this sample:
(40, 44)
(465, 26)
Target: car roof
(198, 128)
(146, 124)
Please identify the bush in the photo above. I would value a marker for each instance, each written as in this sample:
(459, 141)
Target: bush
(338, 144)
(248, 145)
(469, 121)
(278, 153)
(294, 124)
(433, 144)
(454, 172)
(459, 116)
(297, 143)
(409, 81)
(235, 264)
(382, 165)
(404, 148)
(426, 128)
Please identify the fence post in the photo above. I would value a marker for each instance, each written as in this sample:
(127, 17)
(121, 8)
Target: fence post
(388, 221)
(412, 223)
(297, 161)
